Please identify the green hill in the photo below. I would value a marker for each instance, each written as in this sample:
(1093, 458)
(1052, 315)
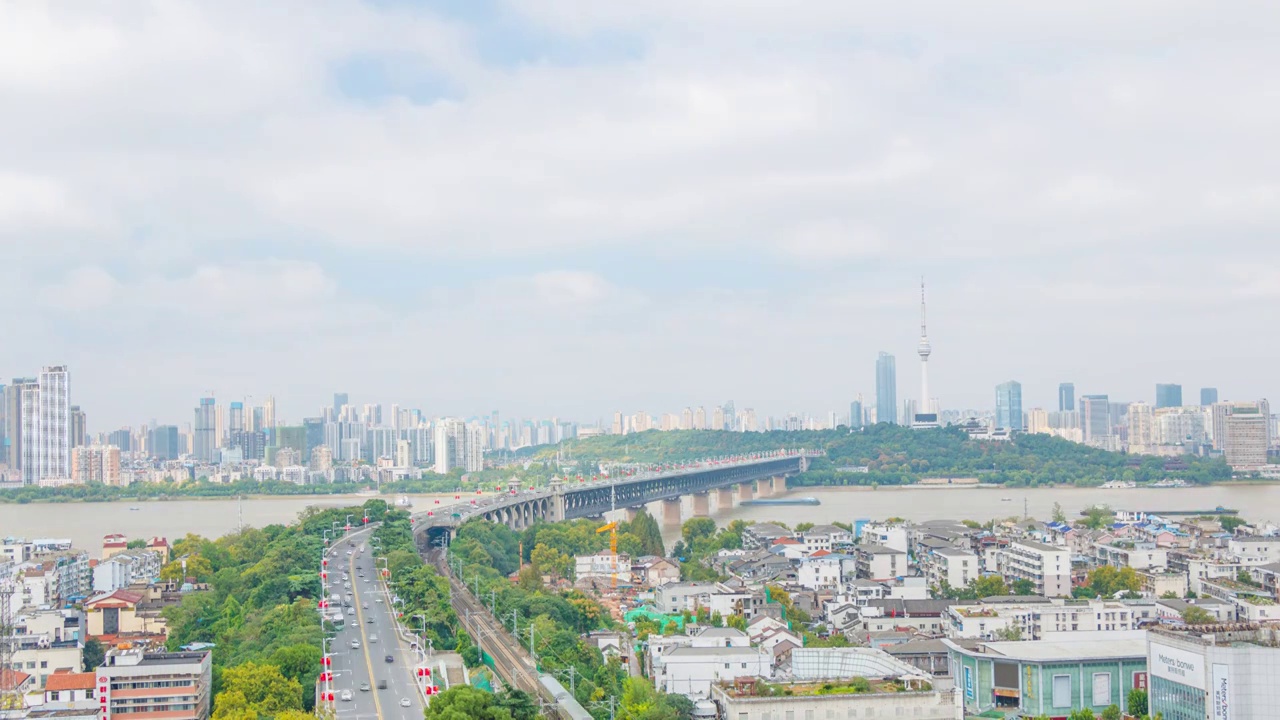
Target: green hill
(894, 455)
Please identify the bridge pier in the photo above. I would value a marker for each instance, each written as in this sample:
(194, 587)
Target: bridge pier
(745, 491)
(724, 499)
(764, 487)
(779, 484)
(671, 513)
(701, 504)
(630, 513)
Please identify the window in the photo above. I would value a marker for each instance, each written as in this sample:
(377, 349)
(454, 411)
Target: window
(54, 695)
(1102, 688)
(1062, 691)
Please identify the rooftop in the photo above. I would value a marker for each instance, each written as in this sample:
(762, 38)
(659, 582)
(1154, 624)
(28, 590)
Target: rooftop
(1117, 646)
(69, 681)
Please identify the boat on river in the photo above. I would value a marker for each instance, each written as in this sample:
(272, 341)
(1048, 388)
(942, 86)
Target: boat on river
(783, 501)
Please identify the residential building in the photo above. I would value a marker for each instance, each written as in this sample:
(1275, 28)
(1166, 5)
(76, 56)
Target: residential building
(1168, 395)
(1141, 428)
(1048, 567)
(653, 571)
(139, 684)
(1143, 556)
(1214, 671)
(70, 691)
(96, 463)
(1247, 431)
(1049, 678)
(164, 443)
(952, 566)
(691, 671)
(886, 389)
(123, 614)
(826, 537)
(1036, 618)
(877, 562)
(125, 568)
(678, 597)
(1009, 405)
(45, 436)
(604, 565)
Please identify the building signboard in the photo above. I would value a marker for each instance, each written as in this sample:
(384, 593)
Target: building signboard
(1221, 692)
(1176, 665)
(968, 684)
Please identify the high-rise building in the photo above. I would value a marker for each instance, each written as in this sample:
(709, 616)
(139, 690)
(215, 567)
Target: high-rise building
(1009, 405)
(204, 441)
(340, 401)
(1168, 395)
(13, 417)
(96, 463)
(886, 389)
(1141, 428)
(1066, 397)
(1037, 420)
(1095, 416)
(857, 419)
(122, 439)
(1245, 446)
(450, 444)
(163, 442)
(235, 420)
(4, 425)
(46, 426)
(79, 435)
(268, 413)
(1208, 396)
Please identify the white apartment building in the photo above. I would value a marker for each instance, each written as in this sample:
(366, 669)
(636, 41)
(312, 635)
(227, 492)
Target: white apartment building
(1143, 556)
(123, 569)
(826, 537)
(1255, 549)
(1042, 620)
(953, 566)
(878, 562)
(892, 536)
(45, 418)
(823, 572)
(691, 671)
(1048, 567)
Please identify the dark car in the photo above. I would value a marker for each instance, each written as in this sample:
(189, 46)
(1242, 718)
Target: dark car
(382, 684)
(390, 659)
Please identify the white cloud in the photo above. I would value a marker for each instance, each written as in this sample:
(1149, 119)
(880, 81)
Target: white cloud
(1066, 169)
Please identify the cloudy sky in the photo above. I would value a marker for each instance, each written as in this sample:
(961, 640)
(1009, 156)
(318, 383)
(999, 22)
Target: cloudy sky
(574, 206)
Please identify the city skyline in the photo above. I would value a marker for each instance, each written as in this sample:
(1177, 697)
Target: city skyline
(677, 202)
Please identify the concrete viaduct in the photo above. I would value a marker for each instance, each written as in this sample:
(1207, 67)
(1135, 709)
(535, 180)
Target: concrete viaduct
(757, 475)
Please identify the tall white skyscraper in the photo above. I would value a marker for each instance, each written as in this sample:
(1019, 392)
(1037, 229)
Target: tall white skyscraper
(450, 442)
(46, 426)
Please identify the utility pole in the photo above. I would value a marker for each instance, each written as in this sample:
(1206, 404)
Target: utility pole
(515, 622)
(612, 705)
(493, 601)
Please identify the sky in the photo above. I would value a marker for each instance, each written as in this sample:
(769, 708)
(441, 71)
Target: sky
(571, 207)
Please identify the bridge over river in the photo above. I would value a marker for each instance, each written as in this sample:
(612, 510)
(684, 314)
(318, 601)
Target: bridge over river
(747, 476)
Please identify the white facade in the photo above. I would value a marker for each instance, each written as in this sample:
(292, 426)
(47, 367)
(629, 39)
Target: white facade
(45, 450)
(691, 671)
(1048, 567)
(957, 568)
(891, 536)
(123, 569)
(820, 573)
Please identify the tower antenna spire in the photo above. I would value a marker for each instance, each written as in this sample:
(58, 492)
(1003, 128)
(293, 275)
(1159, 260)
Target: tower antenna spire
(922, 332)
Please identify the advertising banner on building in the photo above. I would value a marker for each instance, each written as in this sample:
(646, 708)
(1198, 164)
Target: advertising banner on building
(1175, 665)
(969, 691)
(1221, 692)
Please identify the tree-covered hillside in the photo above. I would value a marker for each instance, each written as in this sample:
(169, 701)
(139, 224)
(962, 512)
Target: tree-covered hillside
(895, 454)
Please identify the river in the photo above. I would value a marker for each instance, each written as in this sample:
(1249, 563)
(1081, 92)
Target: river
(86, 523)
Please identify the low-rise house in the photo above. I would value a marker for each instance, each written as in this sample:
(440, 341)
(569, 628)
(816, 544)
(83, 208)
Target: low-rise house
(604, 565)
(925, 616)
(1172, 609)
(653, 571)
(1034, 618)
(678, 597)
(124, 614)
(874, 697)
(1255, 548)
(821, 570)
(763, 535)
(70, 691)
(891, 535)
(1160, 582)
(691, 671)
(826, 537)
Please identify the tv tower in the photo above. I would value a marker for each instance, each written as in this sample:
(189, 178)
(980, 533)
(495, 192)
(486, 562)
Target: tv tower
(924, 349)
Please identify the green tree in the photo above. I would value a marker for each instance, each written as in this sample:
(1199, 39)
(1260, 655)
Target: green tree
(136, 544)
(1112, 712)
(1136, 703)
(989, 585)
(520, 704)
(262, 688)
(1230, 522)
(696, 528)
(804, 527)
(92, 655)
(1022, 586)
(1194, 615)
(1082, 714)
(1098, 517)
(1167, 595)
(196, 567)
(463, 702)
(1058, 515)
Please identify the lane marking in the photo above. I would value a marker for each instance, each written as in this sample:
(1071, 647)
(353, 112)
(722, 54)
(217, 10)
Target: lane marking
(373, 686)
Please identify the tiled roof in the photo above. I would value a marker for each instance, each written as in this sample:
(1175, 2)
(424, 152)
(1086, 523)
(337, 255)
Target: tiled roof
(69, 681)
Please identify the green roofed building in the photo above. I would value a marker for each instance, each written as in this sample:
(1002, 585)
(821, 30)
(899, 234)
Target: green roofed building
(1050, 678)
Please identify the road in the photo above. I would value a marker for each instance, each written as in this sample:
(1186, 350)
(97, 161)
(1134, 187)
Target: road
(367, 664)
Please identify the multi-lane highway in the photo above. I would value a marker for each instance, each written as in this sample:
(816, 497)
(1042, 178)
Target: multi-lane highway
(371, 623)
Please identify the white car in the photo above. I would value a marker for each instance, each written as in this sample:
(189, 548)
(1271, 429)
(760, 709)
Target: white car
(373, 638)
(346, 695)
(355, 644)
(404, 702)
(378, 599)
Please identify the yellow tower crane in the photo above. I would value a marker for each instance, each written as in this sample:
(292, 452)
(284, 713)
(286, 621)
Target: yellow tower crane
(612, 528)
